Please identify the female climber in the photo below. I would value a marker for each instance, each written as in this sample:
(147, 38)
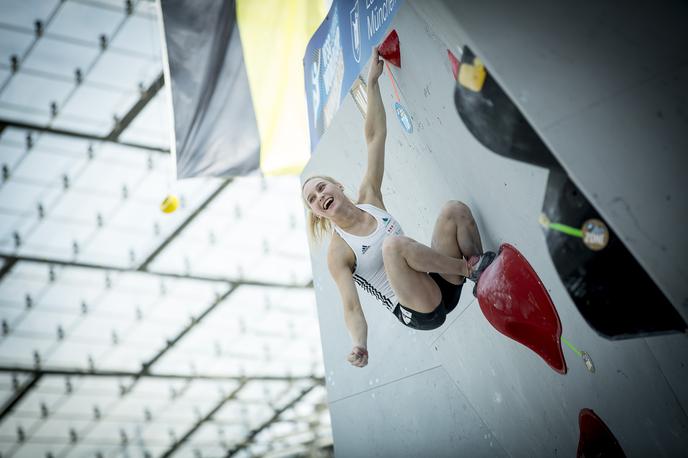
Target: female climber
(417, 283)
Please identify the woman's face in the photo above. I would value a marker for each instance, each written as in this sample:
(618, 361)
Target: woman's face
(323, 196)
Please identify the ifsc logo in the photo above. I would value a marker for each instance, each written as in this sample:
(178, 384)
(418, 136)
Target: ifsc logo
(355, 18)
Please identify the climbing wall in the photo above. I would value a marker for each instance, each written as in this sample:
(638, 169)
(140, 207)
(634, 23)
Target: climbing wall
(466, 389)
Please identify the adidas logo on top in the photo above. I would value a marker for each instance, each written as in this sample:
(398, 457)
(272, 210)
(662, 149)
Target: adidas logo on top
(364, 248)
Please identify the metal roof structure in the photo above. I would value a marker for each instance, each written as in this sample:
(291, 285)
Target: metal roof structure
(127, 331)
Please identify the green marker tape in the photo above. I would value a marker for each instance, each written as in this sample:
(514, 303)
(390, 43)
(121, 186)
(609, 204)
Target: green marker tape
(570, 345)
(566, 229)
(587, 360)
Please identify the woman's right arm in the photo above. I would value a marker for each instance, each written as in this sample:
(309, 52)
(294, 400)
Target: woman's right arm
(340, 264)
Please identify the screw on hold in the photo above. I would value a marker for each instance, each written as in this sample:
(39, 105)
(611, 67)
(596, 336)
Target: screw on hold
(588, 362)
(78, 76)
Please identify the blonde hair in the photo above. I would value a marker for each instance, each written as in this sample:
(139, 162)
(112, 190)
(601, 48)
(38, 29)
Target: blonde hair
(318, 227)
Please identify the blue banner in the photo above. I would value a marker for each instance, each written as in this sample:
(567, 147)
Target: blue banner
(337, 53)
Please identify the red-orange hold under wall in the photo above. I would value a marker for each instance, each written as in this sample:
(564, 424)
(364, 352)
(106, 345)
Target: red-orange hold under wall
(516, 303)
(596, 439)
(389, 49)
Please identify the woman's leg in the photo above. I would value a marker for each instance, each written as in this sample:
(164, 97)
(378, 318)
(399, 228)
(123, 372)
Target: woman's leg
(456, 235)
(407, 263)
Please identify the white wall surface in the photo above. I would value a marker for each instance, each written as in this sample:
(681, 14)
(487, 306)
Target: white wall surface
(465, 389)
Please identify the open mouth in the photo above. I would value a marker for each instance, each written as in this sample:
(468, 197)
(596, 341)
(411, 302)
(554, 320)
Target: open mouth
(328, 203)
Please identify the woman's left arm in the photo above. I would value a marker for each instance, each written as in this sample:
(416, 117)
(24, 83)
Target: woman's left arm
(375, 135)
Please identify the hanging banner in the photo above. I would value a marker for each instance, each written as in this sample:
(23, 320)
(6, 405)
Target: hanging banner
(337, 53)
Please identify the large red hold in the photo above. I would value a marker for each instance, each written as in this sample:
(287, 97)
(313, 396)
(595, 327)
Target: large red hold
(596, 440)
(516, 303)
(389, 49)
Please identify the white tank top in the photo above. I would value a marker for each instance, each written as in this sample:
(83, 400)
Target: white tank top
(370, 273)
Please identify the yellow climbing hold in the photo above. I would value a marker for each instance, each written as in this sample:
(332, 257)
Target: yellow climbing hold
(472, 76)
(170, 204)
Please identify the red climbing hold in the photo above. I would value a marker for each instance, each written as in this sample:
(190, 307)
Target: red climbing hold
(595, 437)
(516, 303)
(389, 49)
(454, 64)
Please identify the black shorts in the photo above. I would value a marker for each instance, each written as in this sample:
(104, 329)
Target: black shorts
(435, 319)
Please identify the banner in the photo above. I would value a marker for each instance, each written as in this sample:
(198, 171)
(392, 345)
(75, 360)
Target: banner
(337, 53)
(233, 75)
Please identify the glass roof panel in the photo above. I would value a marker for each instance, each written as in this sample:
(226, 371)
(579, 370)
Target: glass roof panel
(60, 58)
(24, 13)
(123, 71)
(33, 92)
(140, 34)
(110, 104)
(92, 21)
(151, 127)
(13, 42)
